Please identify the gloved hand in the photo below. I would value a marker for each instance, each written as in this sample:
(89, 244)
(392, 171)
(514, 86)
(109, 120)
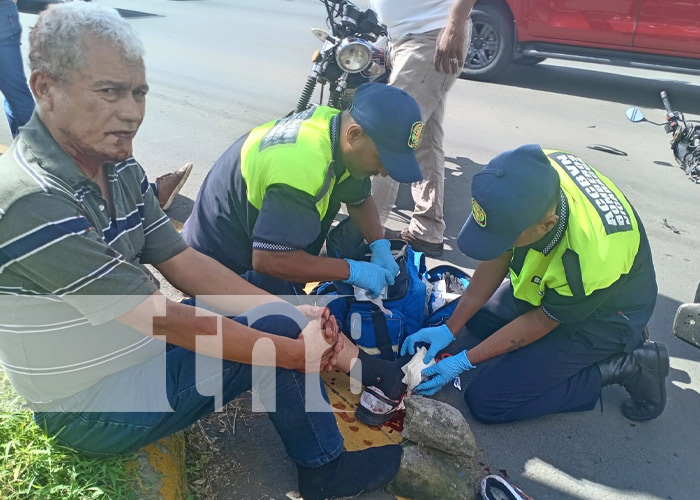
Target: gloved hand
(442, 372)
(382, 256)
(371, 277)
(438, 337)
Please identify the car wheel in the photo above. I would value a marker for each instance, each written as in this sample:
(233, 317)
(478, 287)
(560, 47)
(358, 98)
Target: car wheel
(528, 60)
(697, 295)
(491, 45)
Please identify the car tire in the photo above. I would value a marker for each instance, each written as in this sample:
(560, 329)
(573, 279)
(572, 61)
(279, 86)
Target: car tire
(491, 45)
(528, 60)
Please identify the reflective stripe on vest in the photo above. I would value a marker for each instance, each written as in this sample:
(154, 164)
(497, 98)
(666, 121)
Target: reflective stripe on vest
(598, 246)
(295, 151)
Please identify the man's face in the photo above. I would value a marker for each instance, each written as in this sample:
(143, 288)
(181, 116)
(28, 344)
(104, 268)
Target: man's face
(363, 159)
(97, 113)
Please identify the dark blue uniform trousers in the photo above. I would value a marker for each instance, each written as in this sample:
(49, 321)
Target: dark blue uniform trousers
(555, 374)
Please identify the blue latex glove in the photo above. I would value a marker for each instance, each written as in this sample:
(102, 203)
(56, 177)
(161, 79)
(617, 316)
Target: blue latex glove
(382, 256)
(371, 277)
(438, 337)
(443, 372)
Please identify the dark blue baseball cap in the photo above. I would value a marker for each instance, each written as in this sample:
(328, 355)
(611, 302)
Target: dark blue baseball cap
(510, 194)
(392, 119)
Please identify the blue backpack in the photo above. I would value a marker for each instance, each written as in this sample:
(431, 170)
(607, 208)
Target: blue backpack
(411, 308)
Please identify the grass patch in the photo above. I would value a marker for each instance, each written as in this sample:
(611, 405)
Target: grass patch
(33, 466)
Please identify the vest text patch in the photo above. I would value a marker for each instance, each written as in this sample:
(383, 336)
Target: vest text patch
(286, 130)
(612, 213)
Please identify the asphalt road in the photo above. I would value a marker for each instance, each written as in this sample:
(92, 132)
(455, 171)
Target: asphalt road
(217, 68)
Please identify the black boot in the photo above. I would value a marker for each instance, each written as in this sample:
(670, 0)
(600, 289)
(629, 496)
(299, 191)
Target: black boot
(353, 472)
(643, 374)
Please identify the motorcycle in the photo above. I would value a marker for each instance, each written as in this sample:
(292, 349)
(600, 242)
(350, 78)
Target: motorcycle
(352, 54)
(685, 142)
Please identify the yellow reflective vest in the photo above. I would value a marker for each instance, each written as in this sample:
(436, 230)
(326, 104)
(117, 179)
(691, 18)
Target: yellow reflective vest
(595, 242)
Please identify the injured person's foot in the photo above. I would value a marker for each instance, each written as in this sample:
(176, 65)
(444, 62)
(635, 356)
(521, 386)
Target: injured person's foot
(384, 390)
(384, 375)
(353, 472)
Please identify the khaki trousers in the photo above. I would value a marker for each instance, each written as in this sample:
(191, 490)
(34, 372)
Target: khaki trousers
(412, 69)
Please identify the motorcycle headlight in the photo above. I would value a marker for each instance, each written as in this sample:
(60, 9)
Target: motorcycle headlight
(354, 55)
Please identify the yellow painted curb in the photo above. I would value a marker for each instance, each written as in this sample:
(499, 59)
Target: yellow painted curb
(161, 469)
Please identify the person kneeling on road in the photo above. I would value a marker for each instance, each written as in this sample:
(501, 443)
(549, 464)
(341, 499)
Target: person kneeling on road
(572, 316)
(267, 204)
(104, 360)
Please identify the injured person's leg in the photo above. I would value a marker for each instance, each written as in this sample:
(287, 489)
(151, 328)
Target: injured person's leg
(384, 390)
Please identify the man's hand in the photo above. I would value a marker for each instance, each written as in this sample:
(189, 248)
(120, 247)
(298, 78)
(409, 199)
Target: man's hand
(312, 312)
(449, 52)
(369, 276)
(438, 337)
(321, 346)
(333, 336)
(442, 372)
(382, 256)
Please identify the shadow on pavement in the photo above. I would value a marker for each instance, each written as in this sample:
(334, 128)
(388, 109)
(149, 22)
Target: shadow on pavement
(632, 90)
(458, 176)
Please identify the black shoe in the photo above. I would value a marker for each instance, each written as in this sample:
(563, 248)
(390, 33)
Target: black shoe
(375, 408)
(643, 374)
(353, 472)
(429, 249)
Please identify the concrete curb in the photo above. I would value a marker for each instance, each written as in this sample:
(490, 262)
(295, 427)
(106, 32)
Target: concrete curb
(161, 470)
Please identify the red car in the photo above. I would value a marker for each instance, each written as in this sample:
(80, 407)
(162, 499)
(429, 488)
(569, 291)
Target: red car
(660, 34)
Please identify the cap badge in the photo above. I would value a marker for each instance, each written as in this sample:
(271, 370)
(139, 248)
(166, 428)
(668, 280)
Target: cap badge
(416, 134)
(478, 213)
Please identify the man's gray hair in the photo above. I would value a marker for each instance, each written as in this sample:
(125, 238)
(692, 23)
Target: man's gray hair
(56, 43)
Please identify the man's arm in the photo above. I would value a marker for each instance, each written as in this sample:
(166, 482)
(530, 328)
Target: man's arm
(299, 266)
(522, 331)
(197, 274)
(366, 218)
(450, 46)
(487, 278)
(313, 349)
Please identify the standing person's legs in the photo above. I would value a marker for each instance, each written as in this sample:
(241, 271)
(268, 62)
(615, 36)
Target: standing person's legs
(413, 71)
(427, 222)
(19, 103)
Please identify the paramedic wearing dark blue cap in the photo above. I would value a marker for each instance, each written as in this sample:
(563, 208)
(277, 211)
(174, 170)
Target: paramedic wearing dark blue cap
(572, 315)
(267, 204)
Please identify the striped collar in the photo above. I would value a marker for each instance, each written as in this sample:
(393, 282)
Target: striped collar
(555, 235)
(338, 166)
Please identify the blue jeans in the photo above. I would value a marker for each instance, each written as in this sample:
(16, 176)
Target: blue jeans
(311, 439)
(19, 103)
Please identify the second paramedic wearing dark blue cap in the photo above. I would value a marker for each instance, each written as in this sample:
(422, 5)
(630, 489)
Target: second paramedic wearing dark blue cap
(265, 207)
(581, 289)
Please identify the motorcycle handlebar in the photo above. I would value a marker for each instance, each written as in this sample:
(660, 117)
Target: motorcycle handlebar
(667, 103)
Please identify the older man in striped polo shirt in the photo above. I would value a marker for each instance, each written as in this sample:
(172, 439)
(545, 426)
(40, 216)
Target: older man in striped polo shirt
(83, 327)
